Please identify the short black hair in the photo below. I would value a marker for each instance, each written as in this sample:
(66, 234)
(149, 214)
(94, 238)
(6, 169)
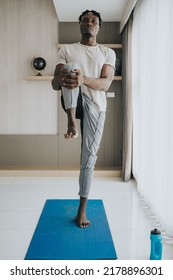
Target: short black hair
(93, 12)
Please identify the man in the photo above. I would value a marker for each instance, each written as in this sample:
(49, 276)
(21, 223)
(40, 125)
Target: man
(84, 72)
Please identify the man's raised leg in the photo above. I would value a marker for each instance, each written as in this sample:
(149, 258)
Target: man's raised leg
(70, 101)
(72, 130)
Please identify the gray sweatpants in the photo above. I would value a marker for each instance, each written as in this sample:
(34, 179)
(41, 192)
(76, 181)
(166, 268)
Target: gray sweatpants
(93, 124)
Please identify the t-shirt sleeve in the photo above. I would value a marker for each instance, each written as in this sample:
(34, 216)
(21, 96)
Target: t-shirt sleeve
(61, 56)
(110, 58)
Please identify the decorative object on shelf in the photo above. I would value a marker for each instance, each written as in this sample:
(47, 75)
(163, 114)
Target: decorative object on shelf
(38, 64)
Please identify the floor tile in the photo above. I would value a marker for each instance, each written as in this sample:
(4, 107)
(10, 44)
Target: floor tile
(22, 200)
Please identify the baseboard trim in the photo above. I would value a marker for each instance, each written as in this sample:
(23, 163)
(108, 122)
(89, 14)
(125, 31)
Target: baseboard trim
(26, 172)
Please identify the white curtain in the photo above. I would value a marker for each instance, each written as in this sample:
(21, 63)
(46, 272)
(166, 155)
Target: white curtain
(152, 87)
(127, 101)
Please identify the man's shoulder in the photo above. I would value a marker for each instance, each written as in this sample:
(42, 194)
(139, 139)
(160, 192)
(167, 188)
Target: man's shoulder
(105, 49)
(70, 46)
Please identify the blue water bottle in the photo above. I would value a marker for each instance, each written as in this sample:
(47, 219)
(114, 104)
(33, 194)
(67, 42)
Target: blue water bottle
(156, 245)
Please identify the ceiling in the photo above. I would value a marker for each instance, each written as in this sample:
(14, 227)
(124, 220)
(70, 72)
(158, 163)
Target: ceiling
(69, 11)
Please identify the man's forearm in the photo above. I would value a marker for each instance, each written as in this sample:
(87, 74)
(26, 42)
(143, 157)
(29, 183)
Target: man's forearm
(56, 81)
(102, 84)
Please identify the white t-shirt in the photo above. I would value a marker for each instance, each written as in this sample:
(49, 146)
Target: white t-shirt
(90, 60)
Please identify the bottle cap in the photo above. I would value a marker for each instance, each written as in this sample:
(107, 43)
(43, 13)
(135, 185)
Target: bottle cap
(155, 231)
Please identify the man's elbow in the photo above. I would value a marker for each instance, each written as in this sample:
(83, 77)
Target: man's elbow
(107, 85)
(55, 85)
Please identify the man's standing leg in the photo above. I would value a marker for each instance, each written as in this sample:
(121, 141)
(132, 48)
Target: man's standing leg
(93, 124)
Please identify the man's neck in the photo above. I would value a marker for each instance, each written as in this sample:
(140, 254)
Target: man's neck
(91, 41)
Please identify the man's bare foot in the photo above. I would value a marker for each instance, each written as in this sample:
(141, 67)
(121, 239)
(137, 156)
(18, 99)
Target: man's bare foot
(72, 132)
(82, 221)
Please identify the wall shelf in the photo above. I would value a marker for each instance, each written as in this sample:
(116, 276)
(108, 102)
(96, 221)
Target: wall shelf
(117, 78)
(112, 46)
(49, 78)
(39, 78)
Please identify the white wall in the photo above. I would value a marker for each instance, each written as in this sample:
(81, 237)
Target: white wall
(28, 28)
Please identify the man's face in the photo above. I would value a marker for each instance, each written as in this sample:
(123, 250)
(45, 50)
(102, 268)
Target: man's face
(89, 25)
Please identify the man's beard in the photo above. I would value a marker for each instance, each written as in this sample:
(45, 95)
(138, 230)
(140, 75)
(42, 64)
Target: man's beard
(88, 35)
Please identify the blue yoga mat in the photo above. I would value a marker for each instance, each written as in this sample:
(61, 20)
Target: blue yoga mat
(58, 238)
